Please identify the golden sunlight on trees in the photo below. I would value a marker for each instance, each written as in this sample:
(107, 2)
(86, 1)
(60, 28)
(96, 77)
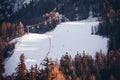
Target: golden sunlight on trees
(50, 18)
(82, 67)
(55, 73)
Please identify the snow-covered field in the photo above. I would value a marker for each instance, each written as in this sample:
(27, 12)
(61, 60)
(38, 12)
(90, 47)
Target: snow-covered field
(67, 37)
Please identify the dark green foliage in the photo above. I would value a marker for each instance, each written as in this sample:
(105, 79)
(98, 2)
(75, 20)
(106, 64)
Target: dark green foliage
(33, 12)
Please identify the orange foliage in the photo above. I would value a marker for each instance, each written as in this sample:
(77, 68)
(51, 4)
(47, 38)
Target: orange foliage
(55, 73)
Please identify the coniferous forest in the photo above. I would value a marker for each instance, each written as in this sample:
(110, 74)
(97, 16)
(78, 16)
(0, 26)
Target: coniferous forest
(44, 16)
(82, 67)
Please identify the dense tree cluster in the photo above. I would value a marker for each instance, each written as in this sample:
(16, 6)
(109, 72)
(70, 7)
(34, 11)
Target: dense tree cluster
(10, 30)
(82, 67)
(111, 9)
(32, 13)
(49, 22)
(73, 9)
(52, 17)
(6, 9)
(110, 26)
(50, 72)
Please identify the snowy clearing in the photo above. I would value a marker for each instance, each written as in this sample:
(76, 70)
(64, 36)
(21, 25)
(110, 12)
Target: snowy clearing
(66, 37)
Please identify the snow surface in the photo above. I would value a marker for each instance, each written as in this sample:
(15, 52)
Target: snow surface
(66, 37)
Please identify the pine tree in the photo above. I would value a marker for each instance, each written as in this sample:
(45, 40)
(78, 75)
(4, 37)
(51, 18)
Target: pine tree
(33, 72)
(21, 69)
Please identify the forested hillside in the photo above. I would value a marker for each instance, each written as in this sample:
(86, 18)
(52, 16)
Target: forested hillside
(82, 67)
(40, 16)
(32, 13)
(8, 31)
(110, 26)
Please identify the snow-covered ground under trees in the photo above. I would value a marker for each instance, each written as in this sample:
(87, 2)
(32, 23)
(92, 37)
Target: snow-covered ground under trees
(66, 37)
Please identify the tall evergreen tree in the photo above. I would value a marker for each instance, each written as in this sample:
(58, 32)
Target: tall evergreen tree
(21, 69)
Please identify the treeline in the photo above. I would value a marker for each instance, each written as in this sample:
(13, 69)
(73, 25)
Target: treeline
(110, 26)
(11, 30)
(49, 22)
(8, 31)
(82, 67)
(73, 9)
(32, 13)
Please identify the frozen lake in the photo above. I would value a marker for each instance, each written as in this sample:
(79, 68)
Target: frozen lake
(66, 37)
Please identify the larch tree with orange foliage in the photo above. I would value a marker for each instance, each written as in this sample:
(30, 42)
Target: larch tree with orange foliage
(55, 73)
(21, 69)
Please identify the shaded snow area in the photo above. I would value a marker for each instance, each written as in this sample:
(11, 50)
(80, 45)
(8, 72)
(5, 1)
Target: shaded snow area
(66, 37)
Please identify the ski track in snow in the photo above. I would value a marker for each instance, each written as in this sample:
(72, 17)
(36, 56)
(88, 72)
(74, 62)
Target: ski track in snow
(66, 37)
